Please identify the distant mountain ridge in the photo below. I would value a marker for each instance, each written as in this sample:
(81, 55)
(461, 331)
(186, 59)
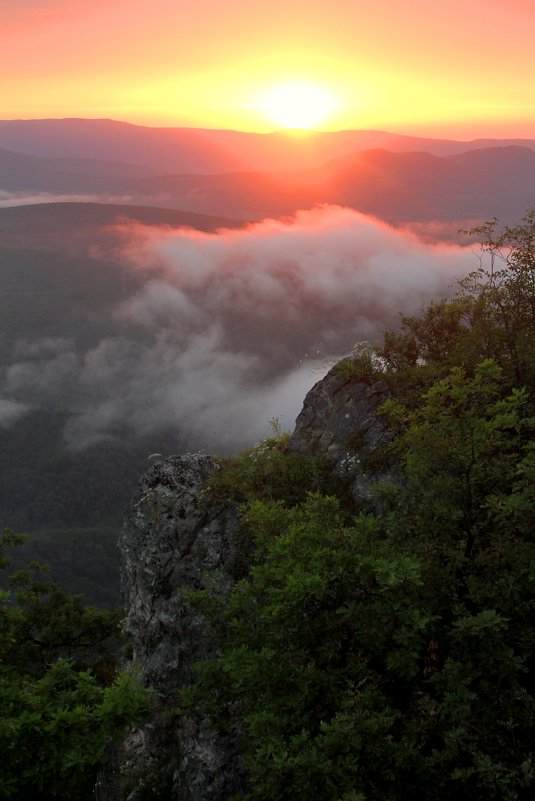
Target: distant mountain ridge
(395, 187)
(249, 176)
(196, 150)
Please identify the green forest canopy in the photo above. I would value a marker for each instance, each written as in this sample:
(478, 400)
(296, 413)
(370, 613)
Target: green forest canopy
(390, 656)
(62, 699)
(364, 656)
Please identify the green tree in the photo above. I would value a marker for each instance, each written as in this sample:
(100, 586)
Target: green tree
(62, 701)
(492, 316)
(503, 294)
(316, 643)
(391, 656)
(462, 450)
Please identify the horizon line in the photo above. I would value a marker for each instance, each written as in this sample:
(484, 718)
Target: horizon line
(291, 132)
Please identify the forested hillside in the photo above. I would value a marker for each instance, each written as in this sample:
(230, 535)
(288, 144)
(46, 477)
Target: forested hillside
(370, 646)
(388, 654)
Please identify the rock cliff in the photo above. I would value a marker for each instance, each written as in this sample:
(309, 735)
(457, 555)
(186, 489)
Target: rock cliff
(339, 420)
(169, 543)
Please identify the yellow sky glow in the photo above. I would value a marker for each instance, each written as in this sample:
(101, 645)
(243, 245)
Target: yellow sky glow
(457, 69)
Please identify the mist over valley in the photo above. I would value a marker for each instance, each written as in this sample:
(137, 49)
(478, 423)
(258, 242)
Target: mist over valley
(166, 290)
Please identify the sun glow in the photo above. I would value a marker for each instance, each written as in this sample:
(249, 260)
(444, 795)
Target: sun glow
(297, 105)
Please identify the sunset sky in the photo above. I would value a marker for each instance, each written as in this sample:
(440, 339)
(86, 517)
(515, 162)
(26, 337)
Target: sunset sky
(455, 68)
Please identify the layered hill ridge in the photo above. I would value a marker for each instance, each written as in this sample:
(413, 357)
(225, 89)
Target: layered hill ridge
(195, 150)
(391, 186)
(409, 184)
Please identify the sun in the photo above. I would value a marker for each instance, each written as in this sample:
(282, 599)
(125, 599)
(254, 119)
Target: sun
(297, 105)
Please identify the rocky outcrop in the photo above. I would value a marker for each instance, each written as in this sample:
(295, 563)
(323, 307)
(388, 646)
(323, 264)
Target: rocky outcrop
(339, 420)
(169, 542)
(171, 539)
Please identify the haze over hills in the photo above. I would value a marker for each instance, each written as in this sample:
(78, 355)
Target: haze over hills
(252, 176)
(197, 150)
(20, 171)
(74, 227)
(189, 293)
(396, 187)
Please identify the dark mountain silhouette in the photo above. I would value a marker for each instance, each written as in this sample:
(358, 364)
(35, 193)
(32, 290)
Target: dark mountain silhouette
(238, 175)
(22, 172)
(411, 186)
(395, 187)
(73, 227)
(195, 150)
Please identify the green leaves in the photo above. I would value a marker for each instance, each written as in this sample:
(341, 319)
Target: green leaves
(312, 645)
(389, 657)
(463, 451)
(55, 731)
(59, 715)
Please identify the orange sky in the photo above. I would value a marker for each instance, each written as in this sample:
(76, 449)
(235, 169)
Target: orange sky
(460, 68)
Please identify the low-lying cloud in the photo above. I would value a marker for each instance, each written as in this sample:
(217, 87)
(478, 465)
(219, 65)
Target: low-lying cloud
(328, 266)
(11, 411)
(228, 329)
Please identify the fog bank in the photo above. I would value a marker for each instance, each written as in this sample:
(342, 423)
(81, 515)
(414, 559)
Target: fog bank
(231, 329)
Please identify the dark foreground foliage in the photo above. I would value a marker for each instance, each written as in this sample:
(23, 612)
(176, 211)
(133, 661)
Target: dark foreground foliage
(62, 700)
(390, 657)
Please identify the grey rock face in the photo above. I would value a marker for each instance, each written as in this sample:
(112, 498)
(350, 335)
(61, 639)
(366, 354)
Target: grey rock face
(168, 543)
(339, 419)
